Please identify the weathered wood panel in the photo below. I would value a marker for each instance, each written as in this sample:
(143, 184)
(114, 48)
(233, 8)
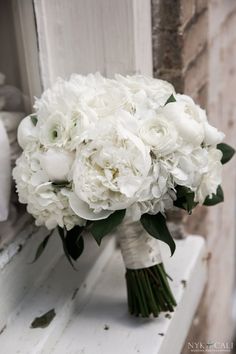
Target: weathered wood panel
(86, 36)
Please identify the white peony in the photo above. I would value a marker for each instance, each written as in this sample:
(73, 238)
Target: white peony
(157, 90)
(212, 136)
(184, 115)
(112, 167)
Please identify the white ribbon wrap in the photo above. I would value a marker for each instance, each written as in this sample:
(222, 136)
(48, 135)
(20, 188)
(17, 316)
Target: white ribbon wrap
(138, 248)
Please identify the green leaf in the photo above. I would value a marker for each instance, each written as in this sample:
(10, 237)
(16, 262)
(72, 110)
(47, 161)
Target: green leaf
(44, 320)
(34, 119)
(156, 226)
(42, 247)
(63, 239)
(170, 99)
(227, 151)
(185, 199)
(62, 184)
(216, 198)
(101, 228)
(75, 242)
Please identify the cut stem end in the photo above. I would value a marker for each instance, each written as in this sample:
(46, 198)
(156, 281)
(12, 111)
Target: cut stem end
(148, 291)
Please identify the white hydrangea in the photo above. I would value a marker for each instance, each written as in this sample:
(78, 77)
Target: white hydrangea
(211, 179)
(47, 203)
(97, 145)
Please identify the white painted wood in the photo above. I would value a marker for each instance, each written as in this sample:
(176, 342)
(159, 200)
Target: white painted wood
(101, 300)
(19, 277)
(86, 36)
(26, 40)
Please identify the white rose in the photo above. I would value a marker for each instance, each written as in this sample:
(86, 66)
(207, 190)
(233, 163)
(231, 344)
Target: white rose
(159, 134)
(56, 163)
(110, 170)
(27, 132)
(185, 116)
(212, 178)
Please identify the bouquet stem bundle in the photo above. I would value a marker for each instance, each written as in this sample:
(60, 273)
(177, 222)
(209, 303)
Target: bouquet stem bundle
(148, 291)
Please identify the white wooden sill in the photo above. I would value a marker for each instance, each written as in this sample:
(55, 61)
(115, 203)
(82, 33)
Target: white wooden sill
(90, 304)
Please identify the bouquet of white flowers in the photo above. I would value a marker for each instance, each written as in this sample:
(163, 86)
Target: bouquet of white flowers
(99, 152)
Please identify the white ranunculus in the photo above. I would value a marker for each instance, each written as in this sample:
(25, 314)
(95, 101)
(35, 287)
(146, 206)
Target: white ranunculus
(159, 134)
(56, 163)
(212, 178)
(111, 167)
(54, 132)
(81, 122)
(27, 132)
(183, 115)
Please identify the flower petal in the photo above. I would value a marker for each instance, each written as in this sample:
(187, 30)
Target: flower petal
(82, 209)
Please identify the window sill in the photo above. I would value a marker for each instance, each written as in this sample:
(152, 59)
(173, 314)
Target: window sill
(90, 304)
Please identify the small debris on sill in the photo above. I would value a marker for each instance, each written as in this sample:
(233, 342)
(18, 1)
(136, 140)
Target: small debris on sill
(44, 320)
(208, 257)
(74, 293)
(3, 329)
(184, 283)
(168, 316)
(106, 327)
(161, 334)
